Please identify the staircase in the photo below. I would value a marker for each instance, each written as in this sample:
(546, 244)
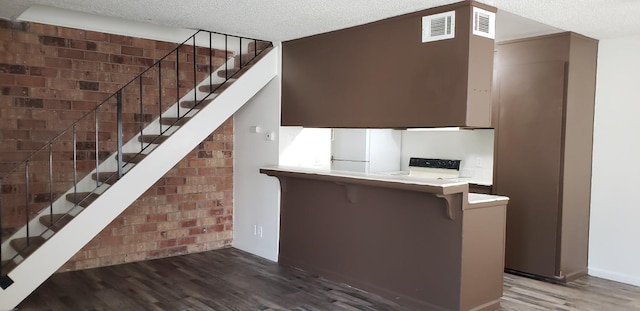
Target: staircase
(65, 222)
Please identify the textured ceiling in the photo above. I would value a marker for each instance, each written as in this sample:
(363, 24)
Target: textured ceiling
(283, 20)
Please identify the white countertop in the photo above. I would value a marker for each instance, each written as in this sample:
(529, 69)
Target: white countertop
(405, 179)
(473, 198)
(476, 198)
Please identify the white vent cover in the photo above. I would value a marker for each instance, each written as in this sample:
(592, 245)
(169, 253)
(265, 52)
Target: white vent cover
(439, 26)
(484, 23)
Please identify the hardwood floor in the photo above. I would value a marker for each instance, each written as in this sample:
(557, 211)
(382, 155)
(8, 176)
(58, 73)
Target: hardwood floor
(230, 279)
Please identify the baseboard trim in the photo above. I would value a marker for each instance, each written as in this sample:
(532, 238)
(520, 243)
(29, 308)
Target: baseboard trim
(615, 276)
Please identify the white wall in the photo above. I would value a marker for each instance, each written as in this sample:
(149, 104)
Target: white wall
(473, 147)
(257, 196)
(305, 147)
(614, 245)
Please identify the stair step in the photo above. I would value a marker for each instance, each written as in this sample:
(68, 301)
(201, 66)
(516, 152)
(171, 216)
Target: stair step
(251, 57)
(59, 221)
(229, 73)
(152, 139)
(261, 45)
(192, 104)
(215, 88)
(132, 157)
(175, 121)
(25, 249)
(108, 178)
(7, 266)
(83, 199)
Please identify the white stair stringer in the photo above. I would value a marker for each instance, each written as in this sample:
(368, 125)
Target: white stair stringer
(58, 249)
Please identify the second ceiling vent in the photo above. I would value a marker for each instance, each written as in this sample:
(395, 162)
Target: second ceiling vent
(484, 23)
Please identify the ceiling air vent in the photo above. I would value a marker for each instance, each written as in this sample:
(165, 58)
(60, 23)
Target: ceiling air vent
(484, 23)
(439, 26)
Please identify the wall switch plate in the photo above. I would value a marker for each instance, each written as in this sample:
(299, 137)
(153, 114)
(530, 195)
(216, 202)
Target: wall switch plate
(255, 129)
(270, 136)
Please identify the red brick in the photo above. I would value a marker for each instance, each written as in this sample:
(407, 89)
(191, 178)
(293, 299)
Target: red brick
(216, 228)
(86, 65)
(83, 45)
(96, 36)
(186, 240)
(108, 47)
(15, 135)
(134, 51)
(57, 62)
(7, 79)
(31, 124)
(157, 218)
(69, 53)
(96, 56)
(168, 243)
(146, 228)
(187, 206)
(44, 72)
(56, 104)
(15, 91)
(189, 223)
(59, 84)
(71, 33)
(53, 41)
(168, 46)
(196, 231)
(44, 29)
(30, 81)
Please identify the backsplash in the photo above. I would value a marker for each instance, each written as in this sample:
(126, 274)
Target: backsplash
(473, 147)
(305, 147)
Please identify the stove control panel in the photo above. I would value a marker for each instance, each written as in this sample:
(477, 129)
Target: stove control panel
(435, 163)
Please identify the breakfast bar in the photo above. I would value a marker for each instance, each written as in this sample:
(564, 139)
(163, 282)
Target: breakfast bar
(428, 244)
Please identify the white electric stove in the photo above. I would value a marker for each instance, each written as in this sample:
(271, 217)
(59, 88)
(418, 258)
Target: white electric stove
(434, 168)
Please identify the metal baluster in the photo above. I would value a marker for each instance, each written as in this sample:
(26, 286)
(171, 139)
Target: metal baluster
(255, 48)
(141, 116)
(26, 202)
(195, 79)
(210, 64)
(96, 151)
(75, 161)
(240, 44)
(178, 80)
(160, 93)
(1, 205)
(226, 63)
(51, 181)
(119, 118)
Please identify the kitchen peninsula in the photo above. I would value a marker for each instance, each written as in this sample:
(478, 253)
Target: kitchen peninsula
(428, 244)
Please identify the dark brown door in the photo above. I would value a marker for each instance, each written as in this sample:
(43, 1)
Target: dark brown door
(528, 163)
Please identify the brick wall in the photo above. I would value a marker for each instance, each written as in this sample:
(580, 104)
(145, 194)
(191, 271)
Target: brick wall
(49, 77)
(188, 210)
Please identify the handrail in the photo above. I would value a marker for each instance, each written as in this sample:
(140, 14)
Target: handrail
(102, 103)
(118, 97)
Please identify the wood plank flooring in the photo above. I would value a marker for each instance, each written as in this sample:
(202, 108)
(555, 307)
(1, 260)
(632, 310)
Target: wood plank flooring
(230, 279)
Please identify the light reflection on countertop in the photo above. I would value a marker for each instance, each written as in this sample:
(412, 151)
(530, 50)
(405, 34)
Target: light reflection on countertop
(470, 180)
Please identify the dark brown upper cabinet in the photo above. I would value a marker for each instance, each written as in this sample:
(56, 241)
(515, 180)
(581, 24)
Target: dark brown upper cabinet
(544, 135)
(381, 75)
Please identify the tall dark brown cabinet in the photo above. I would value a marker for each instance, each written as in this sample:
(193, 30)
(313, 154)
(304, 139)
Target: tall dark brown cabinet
(545, 97)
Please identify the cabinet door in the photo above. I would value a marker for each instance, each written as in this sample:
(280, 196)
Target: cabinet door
(528, 160)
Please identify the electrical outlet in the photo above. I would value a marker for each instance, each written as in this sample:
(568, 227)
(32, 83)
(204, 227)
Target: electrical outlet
(257, 230)
(269, 136)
